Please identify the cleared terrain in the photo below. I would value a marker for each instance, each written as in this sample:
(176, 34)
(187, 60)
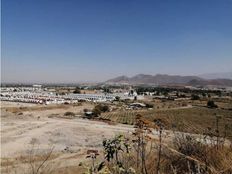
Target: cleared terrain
(40, 129)
(29, 130)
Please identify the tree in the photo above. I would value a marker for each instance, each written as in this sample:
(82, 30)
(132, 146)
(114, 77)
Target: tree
(165, 93)
(102, 108)
(131, 92)
(69, 114)
(105, 108)
(195, 97)
(106, 90)
(85, 110)
(77, 91)
(96, 112)
(149, 105)
(117, 98)
(135, 98)
(211, 104)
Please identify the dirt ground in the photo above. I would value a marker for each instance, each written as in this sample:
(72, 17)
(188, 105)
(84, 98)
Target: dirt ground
(29, 132)
(26, 126)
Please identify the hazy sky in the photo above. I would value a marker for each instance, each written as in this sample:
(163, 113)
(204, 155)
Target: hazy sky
(93, 40)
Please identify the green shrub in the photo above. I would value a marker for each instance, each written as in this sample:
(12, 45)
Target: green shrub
(69, 114)
(195, 97)
(96, 112)
(149, 105)
(211, 104)
(102, 108)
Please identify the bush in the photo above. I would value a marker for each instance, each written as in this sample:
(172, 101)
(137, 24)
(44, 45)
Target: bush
(195, 97)
(211, 104)
(102, 108)
(85, 110)
(192, 156)
(187, 147)
(117, 98)
(96, 112)
(98, 109)
(69, 114)
(105, 108)
(149, 105)
(77, 91)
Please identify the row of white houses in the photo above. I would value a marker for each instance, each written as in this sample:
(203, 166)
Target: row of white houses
(37, 94)
(34, 97)
(91, 97)
(51, 98)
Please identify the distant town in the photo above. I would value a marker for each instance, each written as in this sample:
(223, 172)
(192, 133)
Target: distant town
(68, 94)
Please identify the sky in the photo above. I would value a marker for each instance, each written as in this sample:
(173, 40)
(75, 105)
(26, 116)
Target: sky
(69, 41)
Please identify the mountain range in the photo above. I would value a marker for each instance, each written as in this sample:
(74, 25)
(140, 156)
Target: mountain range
(224, 75)
(163, 79)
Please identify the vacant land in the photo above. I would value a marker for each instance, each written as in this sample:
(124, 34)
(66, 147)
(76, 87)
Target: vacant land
(27, 128)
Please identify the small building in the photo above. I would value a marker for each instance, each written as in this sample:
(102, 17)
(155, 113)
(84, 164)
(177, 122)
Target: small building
(89, 114)
(137, 105)
(37, 86)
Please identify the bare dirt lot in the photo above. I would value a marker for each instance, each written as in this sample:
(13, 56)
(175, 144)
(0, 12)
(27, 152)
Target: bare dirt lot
(26, 126)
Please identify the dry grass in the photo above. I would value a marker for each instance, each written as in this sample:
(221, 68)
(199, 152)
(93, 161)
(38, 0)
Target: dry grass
(192, 120)
(36, 108)
(186, 155)
(190, 156)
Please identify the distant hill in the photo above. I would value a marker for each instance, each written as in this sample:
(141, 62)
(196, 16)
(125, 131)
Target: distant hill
(163, 79)
(216, 82)
(120, 79)
(226, 75)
